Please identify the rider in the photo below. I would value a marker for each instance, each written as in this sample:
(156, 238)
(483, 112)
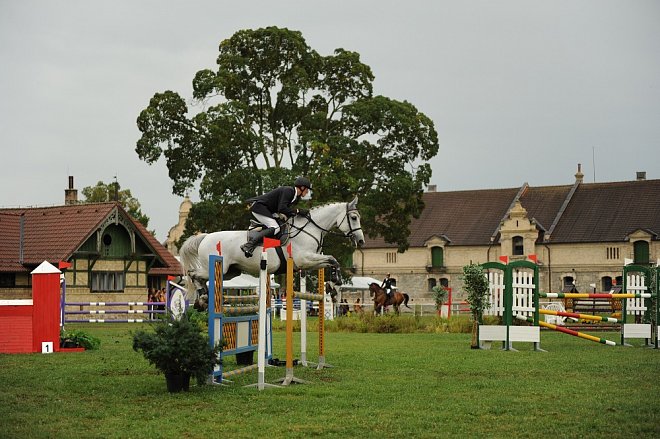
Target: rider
(387, 285)
(278, 201)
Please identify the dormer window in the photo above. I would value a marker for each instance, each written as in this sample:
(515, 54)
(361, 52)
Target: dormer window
(437, 257)
(641, 249)
(518, 247)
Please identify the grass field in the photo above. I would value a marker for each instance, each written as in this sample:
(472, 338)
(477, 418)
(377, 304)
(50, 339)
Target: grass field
(384, 385)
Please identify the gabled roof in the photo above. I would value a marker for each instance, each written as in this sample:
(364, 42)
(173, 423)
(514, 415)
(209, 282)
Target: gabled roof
(594, 212)
(464, 217)
(55, 233)
(543, 203)
(610, 211)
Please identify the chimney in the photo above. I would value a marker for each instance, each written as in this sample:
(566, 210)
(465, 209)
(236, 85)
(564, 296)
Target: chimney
(579, 176)
(641, 175)
(431, 188)
(71, 194)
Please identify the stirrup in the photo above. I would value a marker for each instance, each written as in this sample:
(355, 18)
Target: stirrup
(248, 250)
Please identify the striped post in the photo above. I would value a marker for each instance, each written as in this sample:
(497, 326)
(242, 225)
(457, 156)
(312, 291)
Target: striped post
(595, 295)
(322, 362)
(264, 298)
(567, 331)
(579, 316)
(303, 318)
(108, 321)
(289, 378)
(304, 296)
(237, 321)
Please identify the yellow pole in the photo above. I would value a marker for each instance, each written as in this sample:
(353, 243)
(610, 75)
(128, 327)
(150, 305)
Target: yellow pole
(321, 317)
(289, 313)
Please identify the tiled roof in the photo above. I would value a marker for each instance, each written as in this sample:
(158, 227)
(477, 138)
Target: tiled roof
(610, 211)
(597, 212)
(464, 217)
(543, 203)
(9, 242)
(55, 233)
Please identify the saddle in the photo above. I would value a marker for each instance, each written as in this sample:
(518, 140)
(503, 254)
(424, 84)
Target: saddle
(256, 227)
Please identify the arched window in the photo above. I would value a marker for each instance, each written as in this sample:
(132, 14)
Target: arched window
(444, 282)
(569, 284)
(437, 257)
(432, 282)
(641, 249)
(518, 247)
(606, 284)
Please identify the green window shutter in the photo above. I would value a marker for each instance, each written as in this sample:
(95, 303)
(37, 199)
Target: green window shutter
(641, 249)
(437, 257)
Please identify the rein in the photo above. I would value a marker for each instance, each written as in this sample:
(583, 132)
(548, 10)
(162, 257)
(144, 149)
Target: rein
(310, 220)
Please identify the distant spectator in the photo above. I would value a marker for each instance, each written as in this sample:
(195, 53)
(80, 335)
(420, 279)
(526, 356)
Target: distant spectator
(151, 297)
(343, 307)
(357, 307)
(161, 297)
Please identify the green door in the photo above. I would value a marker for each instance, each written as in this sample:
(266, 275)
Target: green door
(437, 257)
(641, 252)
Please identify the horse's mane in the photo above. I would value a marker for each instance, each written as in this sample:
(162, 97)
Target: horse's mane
(327, 205)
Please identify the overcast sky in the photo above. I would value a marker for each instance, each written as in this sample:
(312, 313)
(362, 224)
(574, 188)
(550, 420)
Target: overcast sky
(519, 91)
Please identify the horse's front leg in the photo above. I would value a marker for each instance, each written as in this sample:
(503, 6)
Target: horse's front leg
(316, 260)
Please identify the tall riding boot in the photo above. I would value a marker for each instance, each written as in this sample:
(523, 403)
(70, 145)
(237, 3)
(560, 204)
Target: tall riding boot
(248, 247)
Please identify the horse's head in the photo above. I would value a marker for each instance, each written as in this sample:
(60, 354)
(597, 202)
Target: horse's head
(350, 225)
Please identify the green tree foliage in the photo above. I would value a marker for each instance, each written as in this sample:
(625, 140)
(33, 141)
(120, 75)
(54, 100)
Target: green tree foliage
(103, 192)
(475, 284)
(274, 109)
(439, 294)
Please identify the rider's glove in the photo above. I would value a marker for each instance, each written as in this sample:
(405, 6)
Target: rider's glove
(302, 212)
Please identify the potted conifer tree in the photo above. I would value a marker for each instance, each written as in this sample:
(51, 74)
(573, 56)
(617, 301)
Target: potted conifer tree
(180, 350)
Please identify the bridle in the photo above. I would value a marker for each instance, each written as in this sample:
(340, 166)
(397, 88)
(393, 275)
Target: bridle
(350, 234)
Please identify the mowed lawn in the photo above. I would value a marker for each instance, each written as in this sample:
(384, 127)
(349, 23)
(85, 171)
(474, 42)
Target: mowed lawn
(382, 385)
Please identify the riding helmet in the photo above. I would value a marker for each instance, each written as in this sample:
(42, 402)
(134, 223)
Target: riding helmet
(303, 181)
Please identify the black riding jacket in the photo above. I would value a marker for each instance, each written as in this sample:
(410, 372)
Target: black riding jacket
(278, 200)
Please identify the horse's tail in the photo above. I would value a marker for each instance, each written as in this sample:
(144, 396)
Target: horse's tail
(190, 260)
(405, 300)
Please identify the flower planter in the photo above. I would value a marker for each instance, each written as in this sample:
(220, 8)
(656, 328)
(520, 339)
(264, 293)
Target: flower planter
(177, 382)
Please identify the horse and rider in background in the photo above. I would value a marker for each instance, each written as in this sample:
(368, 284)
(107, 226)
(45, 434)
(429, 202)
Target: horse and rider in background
(382, 299)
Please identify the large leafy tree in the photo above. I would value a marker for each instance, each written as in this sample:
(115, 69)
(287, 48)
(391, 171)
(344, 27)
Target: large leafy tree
(274, 109)
(103, 192)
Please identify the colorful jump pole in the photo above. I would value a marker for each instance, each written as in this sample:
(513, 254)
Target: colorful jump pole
(304, 296)
(595, 295)
(567, 331)
(289, 378)
(264, 291)
(321, 281)
(579, 316)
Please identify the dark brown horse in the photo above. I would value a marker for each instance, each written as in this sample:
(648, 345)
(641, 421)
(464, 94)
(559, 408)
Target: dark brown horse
(381, 298)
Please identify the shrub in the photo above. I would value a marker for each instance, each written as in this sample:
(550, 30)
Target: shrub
(178, 347)
(78, 338)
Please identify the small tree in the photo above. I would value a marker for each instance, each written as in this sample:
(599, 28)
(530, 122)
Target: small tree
(103, 192)
(475, 284)
(440, 294)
